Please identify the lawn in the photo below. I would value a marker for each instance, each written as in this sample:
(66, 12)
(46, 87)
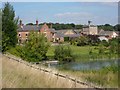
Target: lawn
(81, 53)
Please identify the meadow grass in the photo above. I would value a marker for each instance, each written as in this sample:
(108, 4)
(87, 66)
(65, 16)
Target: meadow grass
(18, 75)
(81, 53)
(105, 77)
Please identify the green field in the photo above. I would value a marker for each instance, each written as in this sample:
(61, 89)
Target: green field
(81, 53)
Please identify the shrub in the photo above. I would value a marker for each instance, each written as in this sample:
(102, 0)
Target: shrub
(63, 54)
(36, 47)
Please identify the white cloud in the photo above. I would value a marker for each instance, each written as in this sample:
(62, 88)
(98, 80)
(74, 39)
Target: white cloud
(73, 14)
(75, 17)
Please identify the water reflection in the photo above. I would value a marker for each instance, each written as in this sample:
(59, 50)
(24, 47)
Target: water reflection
(93, 65)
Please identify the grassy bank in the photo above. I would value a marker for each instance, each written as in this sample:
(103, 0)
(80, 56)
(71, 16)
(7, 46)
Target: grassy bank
(18, 75)
(105, 77)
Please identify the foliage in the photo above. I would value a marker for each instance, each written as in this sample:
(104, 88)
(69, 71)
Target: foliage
(62, 26)
(66, 38)
(9, 27)
(30, 24)
(107, 27)
(36, 47)
(82, 40)
(63, 54)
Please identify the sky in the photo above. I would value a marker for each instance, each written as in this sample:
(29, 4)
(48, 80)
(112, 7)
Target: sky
(67, 12)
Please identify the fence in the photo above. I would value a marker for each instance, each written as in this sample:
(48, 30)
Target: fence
(56, 73)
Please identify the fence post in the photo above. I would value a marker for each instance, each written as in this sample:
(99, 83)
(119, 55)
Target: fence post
(75, 82)
(57, 75)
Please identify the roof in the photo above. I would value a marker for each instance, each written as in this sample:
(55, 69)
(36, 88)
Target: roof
(52, 30)
(61, 33)
(29, 28)
(86, 26)
(103, 38)
(105, 33)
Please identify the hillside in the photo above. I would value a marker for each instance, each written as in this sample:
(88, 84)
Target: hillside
(18, 75)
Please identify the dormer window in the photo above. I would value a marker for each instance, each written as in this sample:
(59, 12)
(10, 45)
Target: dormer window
(26, 34)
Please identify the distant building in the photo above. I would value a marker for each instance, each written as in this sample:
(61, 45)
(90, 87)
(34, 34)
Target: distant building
(51, 34)
(108, 34)
(90, 29)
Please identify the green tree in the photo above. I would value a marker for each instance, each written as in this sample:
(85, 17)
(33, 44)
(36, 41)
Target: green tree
(82, 40)
(63, 54)
(36, 47)
(9, 27)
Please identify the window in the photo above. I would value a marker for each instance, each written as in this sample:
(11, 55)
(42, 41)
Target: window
(26, 34)
(26, 39)
(19, 35)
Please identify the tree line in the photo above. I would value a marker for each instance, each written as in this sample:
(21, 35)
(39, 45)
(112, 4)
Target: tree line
(62, 26)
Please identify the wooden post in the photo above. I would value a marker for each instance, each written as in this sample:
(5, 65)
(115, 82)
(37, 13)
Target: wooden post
(57, 75)
(75, 82)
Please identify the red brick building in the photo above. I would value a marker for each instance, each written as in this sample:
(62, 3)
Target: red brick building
(51, 34)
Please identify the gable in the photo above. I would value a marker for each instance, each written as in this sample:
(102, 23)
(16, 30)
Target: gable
(44, 28)
(69, 32)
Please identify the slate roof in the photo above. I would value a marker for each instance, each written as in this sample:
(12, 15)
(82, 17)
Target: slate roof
(28, 28)
(86, 26)
(105, 33)
(61, 33)
(52, 30)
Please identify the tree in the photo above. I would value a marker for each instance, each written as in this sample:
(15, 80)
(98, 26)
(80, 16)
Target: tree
(9, 27)
(63, 54)
(29, 24)
(36, 47)
(82, 40)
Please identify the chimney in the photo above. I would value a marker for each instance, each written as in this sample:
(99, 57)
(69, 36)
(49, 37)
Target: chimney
(51, 26)
(89, 23)
(20, 23)
(37, 22)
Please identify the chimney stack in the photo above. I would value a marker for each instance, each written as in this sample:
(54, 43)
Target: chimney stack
(89, 23)
(20, 23)
(51, 26)
(37, 22)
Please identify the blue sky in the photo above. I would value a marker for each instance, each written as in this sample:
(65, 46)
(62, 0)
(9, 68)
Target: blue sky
(67, 12)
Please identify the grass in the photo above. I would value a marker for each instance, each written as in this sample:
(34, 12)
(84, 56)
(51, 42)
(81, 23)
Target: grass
(81, 53)
(105, 77)
(18, 75)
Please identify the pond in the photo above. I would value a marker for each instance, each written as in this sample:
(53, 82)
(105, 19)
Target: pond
(92, 65)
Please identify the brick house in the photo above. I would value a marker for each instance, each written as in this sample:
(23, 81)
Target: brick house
(50, 33)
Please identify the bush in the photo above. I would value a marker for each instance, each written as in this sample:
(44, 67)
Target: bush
(63, 54)
(36, 48)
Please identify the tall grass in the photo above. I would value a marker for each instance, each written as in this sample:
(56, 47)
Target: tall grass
(18, 75)
(105, 77)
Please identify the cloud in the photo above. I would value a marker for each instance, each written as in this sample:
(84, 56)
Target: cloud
(75, 17)
(73, 14)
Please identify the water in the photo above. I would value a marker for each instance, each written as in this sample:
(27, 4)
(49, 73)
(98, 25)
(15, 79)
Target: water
(92, 65)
